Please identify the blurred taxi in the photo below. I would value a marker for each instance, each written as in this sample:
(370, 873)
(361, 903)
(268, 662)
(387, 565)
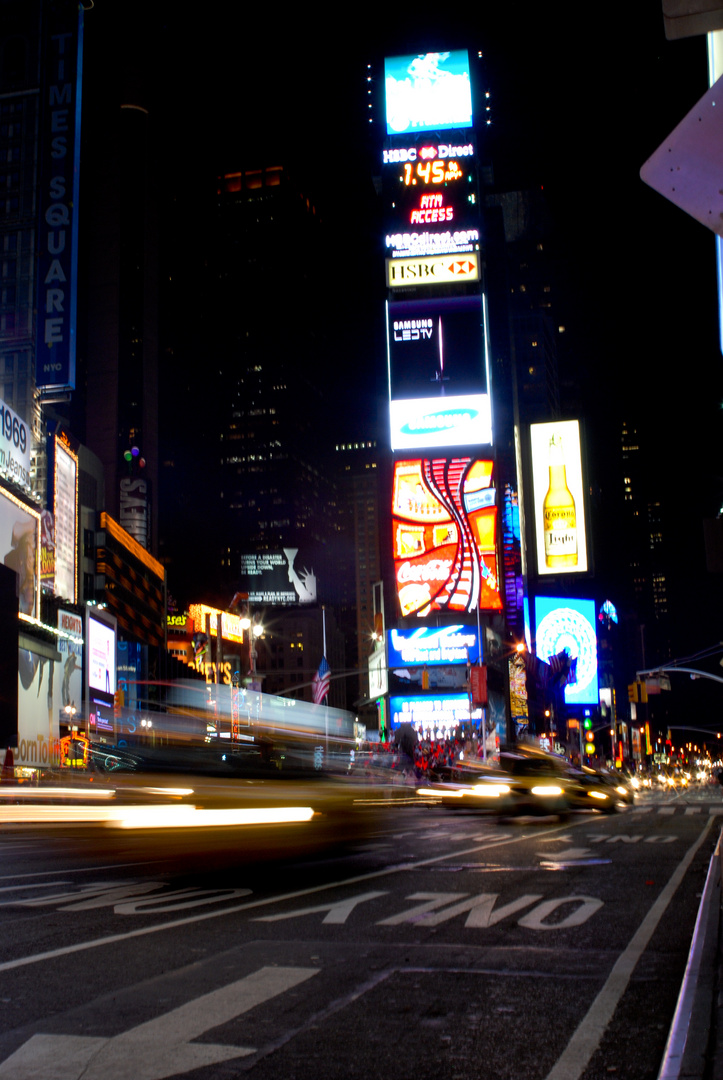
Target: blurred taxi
(531, 782)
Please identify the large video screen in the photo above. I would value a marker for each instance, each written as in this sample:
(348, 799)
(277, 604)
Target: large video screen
(564, 623)
(101, 654)
(437, 373)
(558, 494)
(430, 199)
(432, 713)
(444, 520)
(428, 92)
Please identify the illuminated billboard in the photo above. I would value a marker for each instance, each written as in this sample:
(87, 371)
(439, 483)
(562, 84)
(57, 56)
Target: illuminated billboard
(101, 633)
(431, 714)
(559, 505)
(431, 270)
(427, 92)
(444, 520)
(65, 509)
(20, 548)
(231, 628)
(279, 577)
(436, 348)
(58, 142)
(101, 653)
(431, 646)
(14, 447)
(426, 423)
(437, 370)
(562, 623)
(430, 208)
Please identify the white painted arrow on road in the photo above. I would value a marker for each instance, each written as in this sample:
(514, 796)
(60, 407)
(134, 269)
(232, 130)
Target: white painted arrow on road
(158, 1048)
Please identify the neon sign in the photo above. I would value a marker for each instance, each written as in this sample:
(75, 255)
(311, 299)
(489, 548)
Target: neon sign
(444, 517)
(401, 155)
(431, 270)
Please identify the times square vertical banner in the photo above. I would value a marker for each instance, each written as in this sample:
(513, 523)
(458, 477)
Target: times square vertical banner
(58, 183)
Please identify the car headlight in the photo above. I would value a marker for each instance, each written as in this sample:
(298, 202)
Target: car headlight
(547, 789)
(494, 790)
(621, 790)
(598, 795)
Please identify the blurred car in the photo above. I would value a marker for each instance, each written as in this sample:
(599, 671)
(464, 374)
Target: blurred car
(530, 782)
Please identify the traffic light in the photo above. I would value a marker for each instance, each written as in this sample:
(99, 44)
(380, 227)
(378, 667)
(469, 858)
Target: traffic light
(632, 691)
(589, 736)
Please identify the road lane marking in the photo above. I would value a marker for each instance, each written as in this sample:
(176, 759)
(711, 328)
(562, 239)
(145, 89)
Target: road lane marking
(172, 924)
(586, 1039)
(336, 913)
(158, 1048)
(78, 870)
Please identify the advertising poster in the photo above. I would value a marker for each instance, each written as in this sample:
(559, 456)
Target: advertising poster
(14, 447)
(68, 672)
(101, 637)
(444, 520)
(282, 577)
(20, 549)
(38, 710)
(567, 624)
(66, 505)
(559, 505)
(428, 92)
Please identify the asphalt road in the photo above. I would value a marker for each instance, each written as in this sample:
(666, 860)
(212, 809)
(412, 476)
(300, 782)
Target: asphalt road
(442, 945)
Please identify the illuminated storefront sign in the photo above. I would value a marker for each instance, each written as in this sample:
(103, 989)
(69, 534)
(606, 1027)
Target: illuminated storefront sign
(564, 623)
(231, 629)
(425, 423)
(431, 714)
(444, 519)
(432, 271)
(428, 645)
(428, 92)
(559, 504)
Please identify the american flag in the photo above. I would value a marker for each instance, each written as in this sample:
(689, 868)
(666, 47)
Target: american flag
(320, 682)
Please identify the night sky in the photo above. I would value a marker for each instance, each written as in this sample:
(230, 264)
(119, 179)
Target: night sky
(576, 111)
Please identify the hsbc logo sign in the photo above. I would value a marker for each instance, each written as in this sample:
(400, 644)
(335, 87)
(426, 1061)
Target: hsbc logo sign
(436, 270)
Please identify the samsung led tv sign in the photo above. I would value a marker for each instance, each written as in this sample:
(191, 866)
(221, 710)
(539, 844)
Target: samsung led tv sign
(427, 92)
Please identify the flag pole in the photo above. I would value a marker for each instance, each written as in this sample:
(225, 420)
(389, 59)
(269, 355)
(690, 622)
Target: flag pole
(326, 699)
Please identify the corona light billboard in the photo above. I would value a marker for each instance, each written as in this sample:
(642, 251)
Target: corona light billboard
(444, 519)
(557, 487)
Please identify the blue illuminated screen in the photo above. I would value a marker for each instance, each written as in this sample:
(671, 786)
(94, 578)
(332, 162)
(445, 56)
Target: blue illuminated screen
(428, 92)
(562, 623)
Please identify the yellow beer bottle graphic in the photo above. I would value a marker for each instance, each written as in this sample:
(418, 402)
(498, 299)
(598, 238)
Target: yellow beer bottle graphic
(558, 513)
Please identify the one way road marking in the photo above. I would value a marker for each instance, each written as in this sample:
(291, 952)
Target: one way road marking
(159, 1048)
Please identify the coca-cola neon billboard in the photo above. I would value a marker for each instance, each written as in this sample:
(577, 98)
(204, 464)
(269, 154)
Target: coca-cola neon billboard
(444, 517)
